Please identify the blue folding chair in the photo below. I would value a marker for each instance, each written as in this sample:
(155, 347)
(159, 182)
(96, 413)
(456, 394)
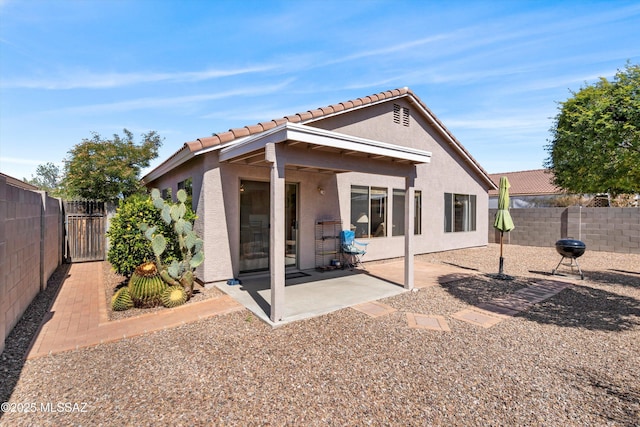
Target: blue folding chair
(349, 247)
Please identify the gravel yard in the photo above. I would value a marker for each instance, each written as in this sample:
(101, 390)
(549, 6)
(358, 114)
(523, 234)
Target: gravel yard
(572, 360)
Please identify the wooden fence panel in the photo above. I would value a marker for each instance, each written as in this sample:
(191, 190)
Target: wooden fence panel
(86, 226)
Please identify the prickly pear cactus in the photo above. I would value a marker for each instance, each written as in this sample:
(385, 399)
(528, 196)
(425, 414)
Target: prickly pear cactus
(121, 300)
(174, 296)
(146, 286)
(179, 272)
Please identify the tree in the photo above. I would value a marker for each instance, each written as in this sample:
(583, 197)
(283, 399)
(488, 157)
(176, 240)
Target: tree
(595, 145)
(48, 178)
(107, 170)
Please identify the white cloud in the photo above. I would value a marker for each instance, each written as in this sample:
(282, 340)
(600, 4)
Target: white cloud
(166, 102)
(20, 161)
(89, 80)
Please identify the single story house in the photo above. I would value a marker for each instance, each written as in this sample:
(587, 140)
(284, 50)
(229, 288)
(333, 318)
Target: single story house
(273, 196)
(529, 189)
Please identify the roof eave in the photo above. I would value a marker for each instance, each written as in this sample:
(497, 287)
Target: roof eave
(317, 136)
(181, 156)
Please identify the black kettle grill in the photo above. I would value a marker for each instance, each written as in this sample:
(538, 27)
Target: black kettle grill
(572, 249)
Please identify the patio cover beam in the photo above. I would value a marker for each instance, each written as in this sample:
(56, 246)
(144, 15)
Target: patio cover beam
(321, 138)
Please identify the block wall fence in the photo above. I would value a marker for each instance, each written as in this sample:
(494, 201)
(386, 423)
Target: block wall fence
(31, 248)
(601, 229)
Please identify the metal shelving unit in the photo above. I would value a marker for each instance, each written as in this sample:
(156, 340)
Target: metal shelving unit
(327, 243)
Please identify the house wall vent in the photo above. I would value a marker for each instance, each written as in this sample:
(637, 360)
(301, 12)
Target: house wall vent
(400, 115)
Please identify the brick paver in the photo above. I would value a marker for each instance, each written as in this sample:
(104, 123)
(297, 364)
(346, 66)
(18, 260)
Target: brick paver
(78, 316)
(523, 299)
(374, 308)
(498, 309)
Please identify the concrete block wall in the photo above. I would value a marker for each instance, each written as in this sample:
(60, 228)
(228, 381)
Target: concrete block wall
(30, 249)
(601, 229)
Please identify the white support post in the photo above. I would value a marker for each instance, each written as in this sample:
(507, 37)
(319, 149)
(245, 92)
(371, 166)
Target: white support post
(409, 214)
(276, 232)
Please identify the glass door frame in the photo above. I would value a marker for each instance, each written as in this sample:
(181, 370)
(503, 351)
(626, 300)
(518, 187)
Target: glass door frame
(292, 225)
(254, 239)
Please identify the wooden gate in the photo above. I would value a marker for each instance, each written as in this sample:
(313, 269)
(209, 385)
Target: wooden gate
(86, 222)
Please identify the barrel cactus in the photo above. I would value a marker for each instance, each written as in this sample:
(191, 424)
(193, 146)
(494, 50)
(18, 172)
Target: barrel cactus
(121, 300)
(174, 296)
(146, 286)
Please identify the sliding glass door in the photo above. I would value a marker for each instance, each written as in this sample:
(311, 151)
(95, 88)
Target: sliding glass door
(254, 225)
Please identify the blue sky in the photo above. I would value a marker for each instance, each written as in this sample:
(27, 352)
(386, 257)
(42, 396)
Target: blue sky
(493, 72)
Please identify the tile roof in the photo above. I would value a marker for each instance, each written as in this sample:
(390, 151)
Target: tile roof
(531, 182)
(231, 134)
(307, 116)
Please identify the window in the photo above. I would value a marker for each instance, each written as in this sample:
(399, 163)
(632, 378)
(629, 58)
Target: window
(459, 212)
(398, 212)
(166, 194)
(187, 186)
(368, 211)
(417, 221)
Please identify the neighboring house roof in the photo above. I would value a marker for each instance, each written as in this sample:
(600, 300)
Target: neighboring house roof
(189, 149)
(18, 183)
(535, 182)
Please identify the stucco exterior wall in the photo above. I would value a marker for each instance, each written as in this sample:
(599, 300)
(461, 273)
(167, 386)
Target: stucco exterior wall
(222, 213)
(447, 173)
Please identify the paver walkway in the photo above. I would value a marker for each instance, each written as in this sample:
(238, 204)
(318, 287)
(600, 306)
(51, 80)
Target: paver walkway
(523, 299)
(78, 317)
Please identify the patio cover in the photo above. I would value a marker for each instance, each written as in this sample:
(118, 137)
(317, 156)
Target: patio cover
(300, 147)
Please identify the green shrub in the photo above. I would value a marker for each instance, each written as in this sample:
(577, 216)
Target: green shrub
(128, 246)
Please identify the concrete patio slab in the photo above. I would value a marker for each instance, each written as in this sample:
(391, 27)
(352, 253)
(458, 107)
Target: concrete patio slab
(316, 294)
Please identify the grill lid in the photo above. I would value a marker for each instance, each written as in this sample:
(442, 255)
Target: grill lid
(570, 248)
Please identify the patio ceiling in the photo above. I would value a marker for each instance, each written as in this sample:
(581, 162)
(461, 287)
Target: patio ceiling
(319, 150)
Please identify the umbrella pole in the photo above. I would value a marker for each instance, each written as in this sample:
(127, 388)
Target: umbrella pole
(500, 270)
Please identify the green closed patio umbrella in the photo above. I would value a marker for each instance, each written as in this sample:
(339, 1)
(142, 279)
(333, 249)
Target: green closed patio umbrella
(503, 221)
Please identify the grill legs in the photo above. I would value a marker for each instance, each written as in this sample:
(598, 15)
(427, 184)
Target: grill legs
(569, 265)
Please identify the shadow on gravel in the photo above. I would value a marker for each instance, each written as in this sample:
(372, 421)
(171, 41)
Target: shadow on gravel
(615, 277)
(19, 341)
(478, 289)
(589, 308)
(576, 306)
(623, 396)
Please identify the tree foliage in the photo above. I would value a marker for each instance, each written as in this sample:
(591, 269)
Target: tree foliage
(109, 169)
(48, 178)
(595, 144)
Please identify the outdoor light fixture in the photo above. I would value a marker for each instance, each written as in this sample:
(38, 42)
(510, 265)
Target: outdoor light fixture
(321, 191)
